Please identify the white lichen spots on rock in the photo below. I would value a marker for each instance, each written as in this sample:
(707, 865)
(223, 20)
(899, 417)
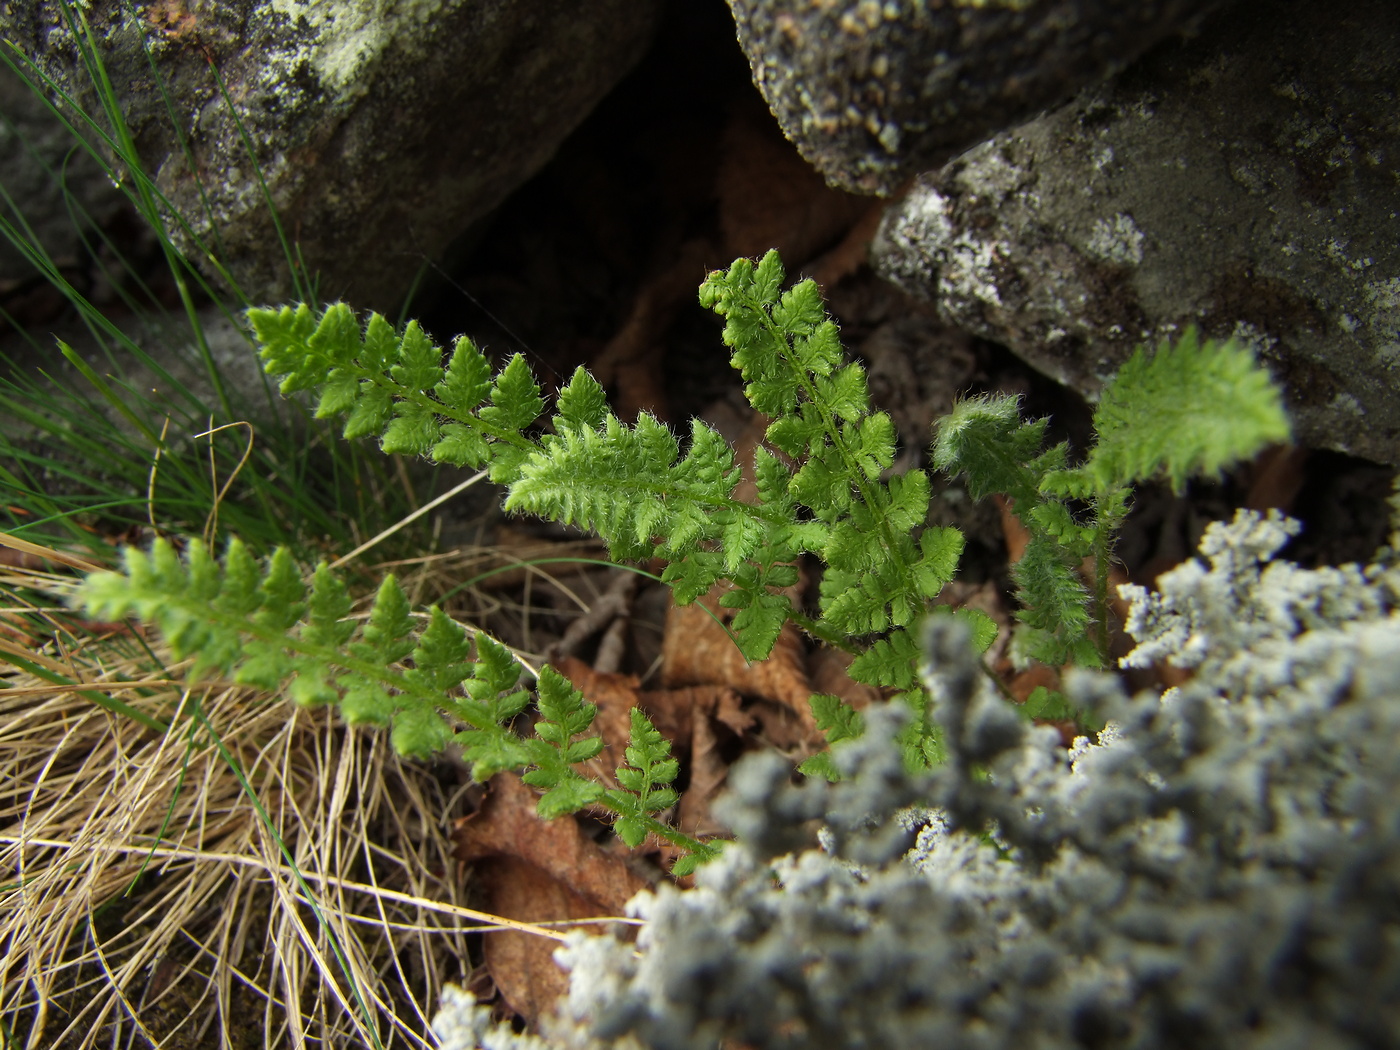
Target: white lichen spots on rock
(351, 34)
(1254, 337)
(1336, 250)
(1382, 314)
(1344, 402)
(968, 270)
(1117, 240)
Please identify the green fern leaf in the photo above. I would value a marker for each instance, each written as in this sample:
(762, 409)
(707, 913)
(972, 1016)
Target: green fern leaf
(692, 577)
(839, 721)
(760, 619)
(985, 439)
(326, 611)
(741, 536)
(420, 732)
(582, 404)
(796, 434)
(772, 478)
(380, 348)
(909, 496)
(849, 548)
(567, 796)
(836, 718)
(820, 352)
(873, 444)
(820, 765)
(238, 594)
(373, 409)
(440, 659)
(282, 592)
(981, 628)
(494, 672)
(891, 661)
(799, 310)
(844, 392)
(419, 365)
(708, 467)
(283, 336)
(413, 433)
(1054, 518)
(388, 633)
(1145, 426)
(822, 483)
(564, 711)
(338, 395)
(645, 778)
(460, 446)
(467, 381)
(515, 397)
(313, 686)
(854, 604)
(366, 702)
(940, 549)
(1054, 601)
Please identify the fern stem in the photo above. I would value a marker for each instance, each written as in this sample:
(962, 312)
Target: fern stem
(871, 497)
(823, 632)
(1109, 510)
(662, 830)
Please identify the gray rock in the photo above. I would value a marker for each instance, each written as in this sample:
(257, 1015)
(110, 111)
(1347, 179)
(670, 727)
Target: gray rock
(1248, 182)
(873, 92)
(51, 183)
(382, 130)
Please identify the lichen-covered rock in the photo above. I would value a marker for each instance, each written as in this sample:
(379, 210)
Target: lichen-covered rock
(872, 92)
(1248, 182)
(380, 129)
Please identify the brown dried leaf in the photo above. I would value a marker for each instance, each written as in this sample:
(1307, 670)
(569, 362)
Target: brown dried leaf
(1017, 535)
(828, 670)
(521, 964)
(536, 871)
(507, 825)
(1276, 477)
(697, 651)
(708, 773)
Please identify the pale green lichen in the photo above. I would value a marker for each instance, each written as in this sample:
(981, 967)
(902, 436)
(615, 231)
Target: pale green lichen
(352, 34)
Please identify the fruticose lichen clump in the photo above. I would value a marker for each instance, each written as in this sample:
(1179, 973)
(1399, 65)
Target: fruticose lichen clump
(1219, 869)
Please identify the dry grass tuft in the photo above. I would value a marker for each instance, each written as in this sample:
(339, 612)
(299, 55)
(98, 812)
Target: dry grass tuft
(255, 876)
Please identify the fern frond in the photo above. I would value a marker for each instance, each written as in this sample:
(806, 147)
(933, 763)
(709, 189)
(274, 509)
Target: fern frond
(985, 440)
(393, 386)
(1190, 409)
(264, 628)
(646, 776)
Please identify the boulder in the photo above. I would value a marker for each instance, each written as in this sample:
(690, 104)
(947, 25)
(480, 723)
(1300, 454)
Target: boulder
(1247, 182)
(60, 193)
(380, 130)
(873, 92)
